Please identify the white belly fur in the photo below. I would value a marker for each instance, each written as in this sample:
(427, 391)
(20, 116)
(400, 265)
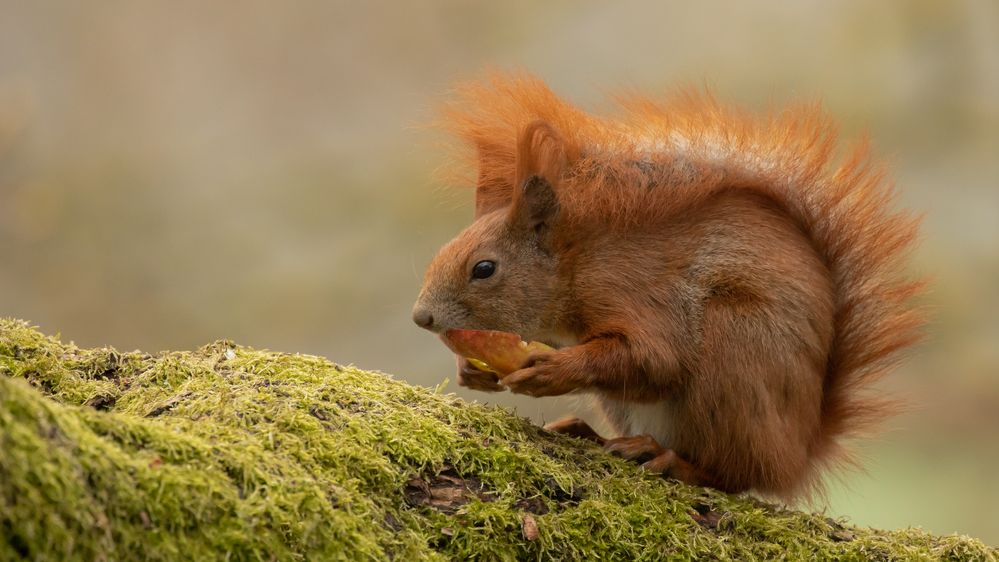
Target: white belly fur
(617, 418)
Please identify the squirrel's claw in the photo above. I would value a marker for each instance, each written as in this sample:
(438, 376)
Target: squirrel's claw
(541, 375)
(639, 448)
(470, 377)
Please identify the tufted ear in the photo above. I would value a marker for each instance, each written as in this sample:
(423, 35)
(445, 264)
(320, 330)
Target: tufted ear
(541, 161)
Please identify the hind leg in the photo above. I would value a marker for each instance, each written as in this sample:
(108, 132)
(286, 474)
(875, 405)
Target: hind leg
(575, 427)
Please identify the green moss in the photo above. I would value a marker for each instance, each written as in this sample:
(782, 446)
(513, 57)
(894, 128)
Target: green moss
(235, 453)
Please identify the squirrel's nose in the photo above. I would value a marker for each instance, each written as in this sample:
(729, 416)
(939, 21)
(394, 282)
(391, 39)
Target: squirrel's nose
(423, 318)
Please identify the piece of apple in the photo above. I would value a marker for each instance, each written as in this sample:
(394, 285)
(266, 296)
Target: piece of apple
(489, 350)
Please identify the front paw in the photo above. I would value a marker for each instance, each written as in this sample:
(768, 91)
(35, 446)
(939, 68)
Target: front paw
(543, 374)
(470, 377)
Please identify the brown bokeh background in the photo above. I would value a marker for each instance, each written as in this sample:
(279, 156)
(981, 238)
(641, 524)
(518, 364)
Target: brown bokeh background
(174, 172)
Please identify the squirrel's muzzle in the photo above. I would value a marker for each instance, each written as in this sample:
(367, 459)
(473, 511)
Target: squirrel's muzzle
(423, 317)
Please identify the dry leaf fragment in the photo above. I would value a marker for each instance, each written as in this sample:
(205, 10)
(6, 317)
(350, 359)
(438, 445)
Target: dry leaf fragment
(530, 527)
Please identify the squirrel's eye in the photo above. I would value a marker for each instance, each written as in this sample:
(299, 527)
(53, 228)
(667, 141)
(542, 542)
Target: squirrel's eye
(483, 269)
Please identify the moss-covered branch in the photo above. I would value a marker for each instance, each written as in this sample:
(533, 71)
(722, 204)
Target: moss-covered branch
(229, 452)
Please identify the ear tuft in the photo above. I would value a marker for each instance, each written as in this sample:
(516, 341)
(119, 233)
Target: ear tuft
(492, 191)
(541, 151)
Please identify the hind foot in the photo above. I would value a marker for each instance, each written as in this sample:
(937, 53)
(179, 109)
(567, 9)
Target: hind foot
(655, 458)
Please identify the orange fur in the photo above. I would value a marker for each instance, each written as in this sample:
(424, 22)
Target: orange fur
(706, 261)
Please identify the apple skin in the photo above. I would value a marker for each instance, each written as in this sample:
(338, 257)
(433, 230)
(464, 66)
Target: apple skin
(490, 350)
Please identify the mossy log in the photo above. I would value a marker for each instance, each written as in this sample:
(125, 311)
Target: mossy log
(241, 454)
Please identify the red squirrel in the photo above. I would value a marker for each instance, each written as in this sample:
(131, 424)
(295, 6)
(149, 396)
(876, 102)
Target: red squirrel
(722, 292)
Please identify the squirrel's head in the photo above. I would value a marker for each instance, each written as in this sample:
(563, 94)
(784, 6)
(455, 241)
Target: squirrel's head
(500, 273)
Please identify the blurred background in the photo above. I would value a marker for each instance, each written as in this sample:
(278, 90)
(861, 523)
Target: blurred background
(174, 172)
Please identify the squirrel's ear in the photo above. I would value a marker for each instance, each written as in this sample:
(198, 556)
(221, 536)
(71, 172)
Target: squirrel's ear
(539, 151)
(541, 160)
